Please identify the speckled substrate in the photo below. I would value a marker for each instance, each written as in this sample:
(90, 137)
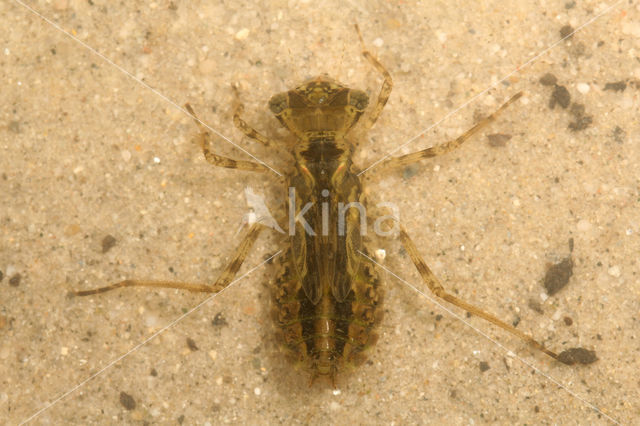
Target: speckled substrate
(87, 152)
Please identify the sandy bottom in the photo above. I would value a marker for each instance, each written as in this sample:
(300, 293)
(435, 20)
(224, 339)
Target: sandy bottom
(88, 152)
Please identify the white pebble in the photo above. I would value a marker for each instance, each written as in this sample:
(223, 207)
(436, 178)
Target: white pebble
(614, 271)
(257, 391)
(242, 34)
(380, 254)
(126, 155)
(583, 225)
(378, 42)
(583, 88)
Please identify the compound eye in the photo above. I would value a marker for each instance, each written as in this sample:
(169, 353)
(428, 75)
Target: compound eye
(358, 99)
(278, 103)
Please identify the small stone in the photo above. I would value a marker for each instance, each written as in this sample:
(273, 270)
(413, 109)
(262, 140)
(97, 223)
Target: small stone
(14, 281)
(558, 275)
(581, 119)
(577, 355)
(378, 42)
(497, 140)
(566, 31)
(72, 229)
(560, 96)
(242, 34)
(614, 271)
(127, 401)
(583, 88)
(484, 366)
(410, 171)
(192, 344)
(617, 86)
(548, 80)
(107, 243)
(10, 270)
(219, 320)
(535, 305)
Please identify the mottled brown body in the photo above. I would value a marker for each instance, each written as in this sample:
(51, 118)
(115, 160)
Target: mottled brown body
(327, 301)
(325, 336)
(328, 294)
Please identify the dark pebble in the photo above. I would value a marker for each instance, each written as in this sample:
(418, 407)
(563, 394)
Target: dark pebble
(127, 401)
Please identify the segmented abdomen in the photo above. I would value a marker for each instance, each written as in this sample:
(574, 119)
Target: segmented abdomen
(326, 336)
